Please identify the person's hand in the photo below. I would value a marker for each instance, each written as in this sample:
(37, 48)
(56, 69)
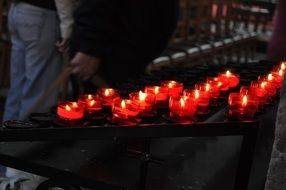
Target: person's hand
(84, 65)
(63, 45)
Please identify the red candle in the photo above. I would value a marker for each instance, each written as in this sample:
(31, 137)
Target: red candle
(91, 103)
(175, 88)
(202, 99)
(241, 107)
(213, 90)
(124, 109)
(107, 95)
(222, 85)
(233, 79)
(160, 94)
(70, 111)
(145, 101)
(182, 108)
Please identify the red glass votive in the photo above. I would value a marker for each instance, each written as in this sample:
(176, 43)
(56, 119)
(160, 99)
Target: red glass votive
(232, 79)
(71, 111)
(143, 100)
(124, 109)
(241, 107)
(213, 90)
(160, 94)
(222, 85)
(202, 99)
(107, 95)
(270, 86)
(182, 108)
(175, 88)
(91, 103)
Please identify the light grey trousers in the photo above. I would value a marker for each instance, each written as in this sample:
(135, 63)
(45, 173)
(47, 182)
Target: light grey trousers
(35, 60)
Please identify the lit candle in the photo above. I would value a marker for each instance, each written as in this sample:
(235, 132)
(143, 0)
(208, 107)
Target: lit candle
(70, 111)
(213, 90)
(124, 109)
(233, 79)
(107, 95)
(145, 101)
(221, 85)
(182, 108)
(175, 88)
(91, 103)
(241, 107)
(160, 94)
(202, 99)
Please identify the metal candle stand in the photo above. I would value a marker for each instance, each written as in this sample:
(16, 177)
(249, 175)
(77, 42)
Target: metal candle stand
(156, 127)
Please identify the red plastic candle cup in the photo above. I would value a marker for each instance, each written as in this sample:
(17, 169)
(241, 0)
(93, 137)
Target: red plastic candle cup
(70, 111)
(222, 85)
(213, 90)
(269, 85)
(145, 101)
(124, 109)
(241, 107)
(201, 98)
(160, 94)
(182, 108)
(91, 104)
(233, 79)
(107, 95)
(175, 88)
(257, 90)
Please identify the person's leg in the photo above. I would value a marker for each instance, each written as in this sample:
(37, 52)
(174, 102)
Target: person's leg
(43, 61)
(17, 71)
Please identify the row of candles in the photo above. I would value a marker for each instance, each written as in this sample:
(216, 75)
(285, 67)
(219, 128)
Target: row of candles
(182, 103)
(252, 99)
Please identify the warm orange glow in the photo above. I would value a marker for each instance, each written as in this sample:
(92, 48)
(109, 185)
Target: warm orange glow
(197, 94)
(182, 102)
(108, 92)
(263, 85)
(270, 77)
(219, 84)
(156, 90)
(283, 66)
(280, 72)
(91, 103)
(171, 84)
(123, 104)
(208, 87)
(68, 108)
(142, 96)
(74, 104)
(228, 73)
(215, 79)
(89, 97)
(244, 101)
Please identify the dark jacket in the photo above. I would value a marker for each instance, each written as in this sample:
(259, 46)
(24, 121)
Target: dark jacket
(125, 34)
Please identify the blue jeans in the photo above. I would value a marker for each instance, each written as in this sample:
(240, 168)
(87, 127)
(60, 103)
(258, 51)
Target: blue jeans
(35, 61)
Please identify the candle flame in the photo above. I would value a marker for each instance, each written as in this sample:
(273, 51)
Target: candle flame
(123, 104)
(89, 97)
(107, 92)
(270, 77)
(156, 90)
(171, 84)
(280, 72)
(244, 101)
(68, 108)
(182, 102)
(197, 94)
(74, 104)
(219, 84)
(263, 84)
(208, 87)
(215, 79)
(283, 66)
(228, 73)
(142, 96)
(91, 103)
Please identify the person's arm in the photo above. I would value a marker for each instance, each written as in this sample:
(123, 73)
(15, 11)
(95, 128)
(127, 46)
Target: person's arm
(93, 22)
(65, 10)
